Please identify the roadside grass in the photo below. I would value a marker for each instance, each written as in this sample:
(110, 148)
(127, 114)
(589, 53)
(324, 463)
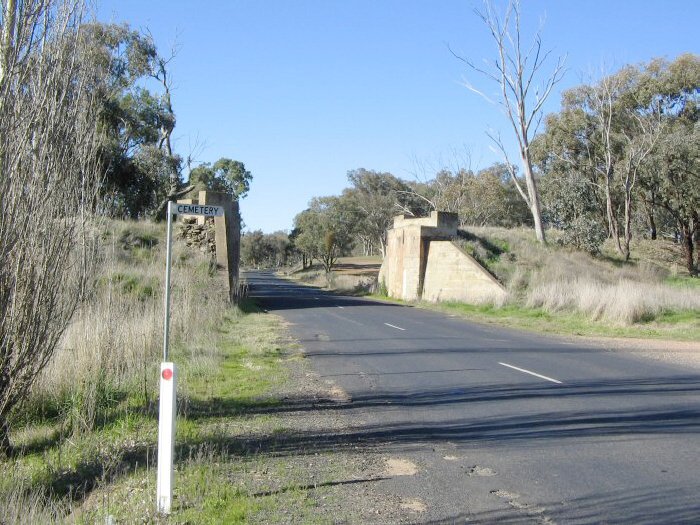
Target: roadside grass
(110, 471)
(691, 283)
(559, 290)
(85, 440)
(682, 326)
(221, 410)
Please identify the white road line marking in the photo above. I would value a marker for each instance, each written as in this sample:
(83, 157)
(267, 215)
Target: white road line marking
(531, 373)
(397, 327)
(339, 306)
(316, 298)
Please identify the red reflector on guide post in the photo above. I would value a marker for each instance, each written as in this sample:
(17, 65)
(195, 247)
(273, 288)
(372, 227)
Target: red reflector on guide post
(167, 374)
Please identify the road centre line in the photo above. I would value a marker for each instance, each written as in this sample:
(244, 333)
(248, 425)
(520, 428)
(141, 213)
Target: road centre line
(397, 327)
(531, 373)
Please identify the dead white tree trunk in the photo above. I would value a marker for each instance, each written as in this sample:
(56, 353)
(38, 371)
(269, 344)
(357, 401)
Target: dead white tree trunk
(516, 71)
(175, 189)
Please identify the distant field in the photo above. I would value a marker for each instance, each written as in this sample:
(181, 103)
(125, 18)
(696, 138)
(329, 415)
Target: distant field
(358, 265)
(350, 274)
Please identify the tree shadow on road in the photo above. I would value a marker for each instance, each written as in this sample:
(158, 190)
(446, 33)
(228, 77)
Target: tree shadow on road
(585, 423)
(636, 506)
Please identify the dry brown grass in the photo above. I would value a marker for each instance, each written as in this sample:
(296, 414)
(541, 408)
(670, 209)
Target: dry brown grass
(559, 279)
(106, 368)
(22, 507)
(619, 295)
(115, 342)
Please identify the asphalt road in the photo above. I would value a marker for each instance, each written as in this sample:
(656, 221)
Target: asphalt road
(503, 426)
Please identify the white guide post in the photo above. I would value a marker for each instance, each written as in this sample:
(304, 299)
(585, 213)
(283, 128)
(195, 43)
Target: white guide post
(168, 372)
(167, 403)
(166, 437)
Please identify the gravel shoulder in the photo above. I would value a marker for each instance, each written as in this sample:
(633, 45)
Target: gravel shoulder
(684, 353)
(340, 478)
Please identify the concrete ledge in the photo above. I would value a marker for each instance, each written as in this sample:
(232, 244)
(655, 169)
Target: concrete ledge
(453, 275)
(422, 263)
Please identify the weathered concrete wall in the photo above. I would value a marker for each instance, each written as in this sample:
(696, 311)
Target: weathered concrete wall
(227, 233)
(401, 268)
(439, 222)
(453, 275)
(422, 263)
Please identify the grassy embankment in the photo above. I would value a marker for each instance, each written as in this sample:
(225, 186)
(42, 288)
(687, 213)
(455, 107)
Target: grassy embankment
(563, 291)
(560, 290)
(85, 439)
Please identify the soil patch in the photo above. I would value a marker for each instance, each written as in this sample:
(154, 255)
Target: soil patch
(686, 353)
(400, 467)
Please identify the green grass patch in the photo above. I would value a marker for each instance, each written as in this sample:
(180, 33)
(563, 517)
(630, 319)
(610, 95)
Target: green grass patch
(117, 456)
(130, 284)
(680, 281)
(682, 326)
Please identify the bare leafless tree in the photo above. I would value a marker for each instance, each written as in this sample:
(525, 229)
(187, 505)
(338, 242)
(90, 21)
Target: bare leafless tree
(160, 73)
(517, 71)
(49, 177)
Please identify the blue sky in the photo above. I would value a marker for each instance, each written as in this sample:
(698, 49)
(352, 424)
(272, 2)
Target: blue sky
(302, 91)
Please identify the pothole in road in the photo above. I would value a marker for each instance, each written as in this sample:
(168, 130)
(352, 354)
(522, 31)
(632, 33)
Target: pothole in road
(510, 496)
(476, 470)
(400, 467)
(413, 505)
(339, 395)
(535, 512)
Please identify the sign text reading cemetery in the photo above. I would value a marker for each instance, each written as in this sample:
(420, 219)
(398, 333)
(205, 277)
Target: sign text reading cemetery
(199, 209)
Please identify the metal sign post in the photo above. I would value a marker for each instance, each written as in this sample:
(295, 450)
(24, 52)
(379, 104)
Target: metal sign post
(168, 372)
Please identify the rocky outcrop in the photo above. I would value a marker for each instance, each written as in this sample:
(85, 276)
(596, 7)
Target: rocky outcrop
(199, 236)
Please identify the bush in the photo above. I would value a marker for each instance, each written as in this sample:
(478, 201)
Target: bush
(585, 234)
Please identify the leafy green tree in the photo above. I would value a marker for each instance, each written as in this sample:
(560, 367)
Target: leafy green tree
(264, 250)
(621, 135)
(226, 176)
(489, 198)
(573, 199)
(572, 206)
(255, 249)
(325, 230)
(676, 173)
(630, 141)
(374, 199)
(306, 232)
(485, 197)
(135, 121)
(672, 171)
